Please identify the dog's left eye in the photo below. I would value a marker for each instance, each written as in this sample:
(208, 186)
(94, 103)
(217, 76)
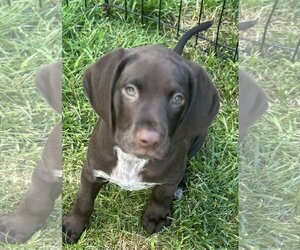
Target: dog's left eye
(177, 99)
(130, 91)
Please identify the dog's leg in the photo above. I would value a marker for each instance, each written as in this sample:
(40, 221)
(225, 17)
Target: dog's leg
(75, 222)
(181, 188)
(158, 212)
(38, 202)
(33, 211)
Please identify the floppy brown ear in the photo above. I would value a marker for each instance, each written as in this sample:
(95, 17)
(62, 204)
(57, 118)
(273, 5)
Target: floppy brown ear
(203, 106)
(253, 102)
(49, 83)
(99, 82)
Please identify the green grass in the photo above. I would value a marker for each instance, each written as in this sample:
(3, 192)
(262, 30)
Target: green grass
(269, 164)
(269, 160)
(28, 40)
(207, 215)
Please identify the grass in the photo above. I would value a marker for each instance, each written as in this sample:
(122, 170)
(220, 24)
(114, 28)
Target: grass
(206, 217)
(28, 41)
(269, 160)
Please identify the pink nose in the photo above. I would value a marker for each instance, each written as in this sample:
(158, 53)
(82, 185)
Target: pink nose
(148, 138)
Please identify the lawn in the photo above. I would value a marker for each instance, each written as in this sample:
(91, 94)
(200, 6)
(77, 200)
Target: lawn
(269, 194)
(30, 38)
(206, 217)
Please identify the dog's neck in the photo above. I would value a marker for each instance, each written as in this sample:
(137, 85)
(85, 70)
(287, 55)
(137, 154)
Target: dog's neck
(127, 172)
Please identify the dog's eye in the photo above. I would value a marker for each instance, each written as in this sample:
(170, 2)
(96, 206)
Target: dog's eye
(177, 99)
(130, 91)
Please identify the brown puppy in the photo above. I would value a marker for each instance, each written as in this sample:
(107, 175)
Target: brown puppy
(156, 108)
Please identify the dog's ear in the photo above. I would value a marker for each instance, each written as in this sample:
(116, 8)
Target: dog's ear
(252, 102)
(99, 83)
(203, 104)
(49, 83)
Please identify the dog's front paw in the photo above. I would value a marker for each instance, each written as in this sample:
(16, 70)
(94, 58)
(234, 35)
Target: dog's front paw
(19, 227)
(72, 228)
(155, 218)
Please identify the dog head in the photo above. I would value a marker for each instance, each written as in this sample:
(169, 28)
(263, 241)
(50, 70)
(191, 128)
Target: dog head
(150, 97)
(49, 84)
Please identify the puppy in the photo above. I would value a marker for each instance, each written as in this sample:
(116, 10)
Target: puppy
(37, 204)
(156, 108)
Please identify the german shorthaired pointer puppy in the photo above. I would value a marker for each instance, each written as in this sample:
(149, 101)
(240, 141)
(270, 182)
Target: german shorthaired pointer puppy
(156, 108)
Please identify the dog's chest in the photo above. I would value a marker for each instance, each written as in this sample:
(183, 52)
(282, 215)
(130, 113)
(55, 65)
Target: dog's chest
(127, 173)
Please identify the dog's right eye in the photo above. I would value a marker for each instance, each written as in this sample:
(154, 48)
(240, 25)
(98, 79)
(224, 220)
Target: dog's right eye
(130, 91)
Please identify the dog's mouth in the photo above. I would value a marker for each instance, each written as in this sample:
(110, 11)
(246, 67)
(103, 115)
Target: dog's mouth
(146, 154)
(142, 152)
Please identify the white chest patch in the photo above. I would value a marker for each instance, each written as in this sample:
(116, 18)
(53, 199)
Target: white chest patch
(126, 174)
